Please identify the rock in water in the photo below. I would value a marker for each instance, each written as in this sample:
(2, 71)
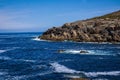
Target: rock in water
(61, 51)
(83, 51)
(99, 29)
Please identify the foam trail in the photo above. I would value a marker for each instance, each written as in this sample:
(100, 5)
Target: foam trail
(95, 74)
(62, 69)
(72, 51)
(77, 52)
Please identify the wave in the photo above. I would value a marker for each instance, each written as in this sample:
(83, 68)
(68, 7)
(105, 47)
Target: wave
(72, 51)
(2, 51)
(109, 73)
(89, 52)
(62, 69)
(3, 72)
(4, 58)
(38, 39)
(13, 48)
(27, 60)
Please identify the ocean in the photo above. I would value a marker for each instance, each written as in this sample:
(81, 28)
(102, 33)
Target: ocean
(24, 57)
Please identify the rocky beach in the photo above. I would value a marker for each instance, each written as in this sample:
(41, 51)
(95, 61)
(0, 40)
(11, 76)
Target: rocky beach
(104, 28)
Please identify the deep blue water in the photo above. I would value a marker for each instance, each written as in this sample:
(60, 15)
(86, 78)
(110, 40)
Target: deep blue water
(23, 57)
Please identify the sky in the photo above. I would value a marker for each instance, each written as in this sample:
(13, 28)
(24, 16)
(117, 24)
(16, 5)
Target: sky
(39, 15)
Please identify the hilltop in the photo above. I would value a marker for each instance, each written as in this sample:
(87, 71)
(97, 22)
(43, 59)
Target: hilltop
(104, 28)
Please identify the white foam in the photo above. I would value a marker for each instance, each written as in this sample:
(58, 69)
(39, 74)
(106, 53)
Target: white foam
(72, 51)
(95, 74)
(25, 60)
(62, 69)
(72, 76)
(2, 51)
(38, 39)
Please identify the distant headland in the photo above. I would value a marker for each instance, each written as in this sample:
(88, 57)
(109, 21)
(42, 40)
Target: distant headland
(105, 28)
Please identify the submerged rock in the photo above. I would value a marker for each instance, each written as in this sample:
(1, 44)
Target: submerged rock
(99, 29)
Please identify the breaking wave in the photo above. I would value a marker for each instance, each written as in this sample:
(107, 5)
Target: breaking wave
(109, 73)
(2, 51)
(62, 69)
(38, 39)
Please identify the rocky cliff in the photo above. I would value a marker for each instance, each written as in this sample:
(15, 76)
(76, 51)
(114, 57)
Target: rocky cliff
(99, 29)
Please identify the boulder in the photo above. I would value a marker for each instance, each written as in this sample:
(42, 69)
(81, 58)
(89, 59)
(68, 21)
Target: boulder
(83, 52)
(61, 51)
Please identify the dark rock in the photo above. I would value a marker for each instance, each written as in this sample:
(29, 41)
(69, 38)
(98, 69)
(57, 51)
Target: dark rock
(61, 51)
(84, 51)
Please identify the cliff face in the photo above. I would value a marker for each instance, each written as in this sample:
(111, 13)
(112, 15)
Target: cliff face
(99, 29)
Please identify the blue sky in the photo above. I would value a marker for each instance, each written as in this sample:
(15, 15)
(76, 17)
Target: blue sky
(39, 15)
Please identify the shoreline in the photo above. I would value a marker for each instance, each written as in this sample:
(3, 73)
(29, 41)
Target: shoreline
(39, 39)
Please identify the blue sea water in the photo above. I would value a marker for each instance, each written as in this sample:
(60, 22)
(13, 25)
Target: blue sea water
(24, 57)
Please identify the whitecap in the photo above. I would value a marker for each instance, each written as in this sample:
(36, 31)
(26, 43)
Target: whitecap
(38, 39)
(72, 76)
(62, 69)
(2, 51)
(72, 51)
(25, 60)
(95, 74)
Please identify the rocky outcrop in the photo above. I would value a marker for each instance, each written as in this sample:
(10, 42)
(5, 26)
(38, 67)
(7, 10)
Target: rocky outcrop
(99, 29)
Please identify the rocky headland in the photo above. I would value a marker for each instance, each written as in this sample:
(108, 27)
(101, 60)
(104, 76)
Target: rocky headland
(105, 28)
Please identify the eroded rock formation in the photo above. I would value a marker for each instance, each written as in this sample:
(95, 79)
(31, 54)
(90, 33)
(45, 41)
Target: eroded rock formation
(99, 29)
